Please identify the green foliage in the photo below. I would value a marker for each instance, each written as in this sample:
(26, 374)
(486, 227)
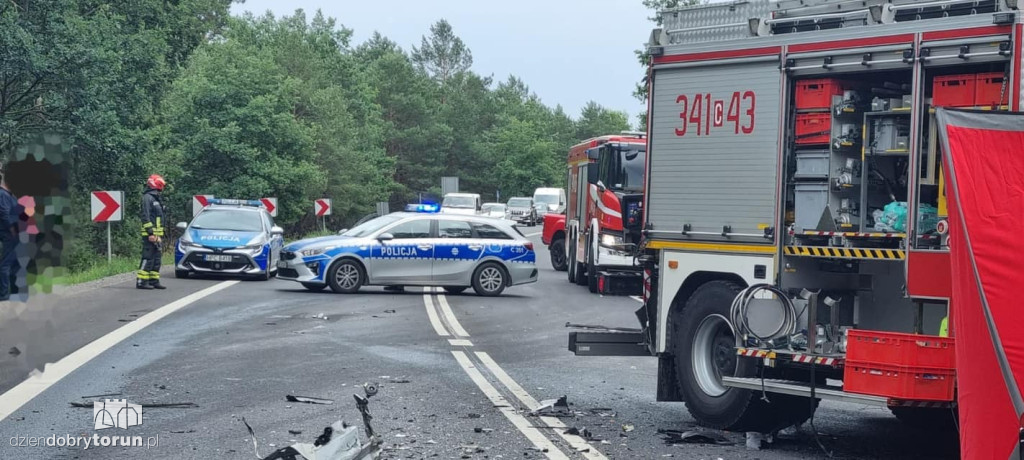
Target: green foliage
(656, 7)
(260, 106)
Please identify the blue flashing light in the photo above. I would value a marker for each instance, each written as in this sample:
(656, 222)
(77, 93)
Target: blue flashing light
(423, 207)
(256, 203)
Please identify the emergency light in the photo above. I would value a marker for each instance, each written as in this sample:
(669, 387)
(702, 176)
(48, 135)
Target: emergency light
(423, 207)
(256, 203)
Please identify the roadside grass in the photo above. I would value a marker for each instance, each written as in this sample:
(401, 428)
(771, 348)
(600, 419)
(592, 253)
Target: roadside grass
(103, 269)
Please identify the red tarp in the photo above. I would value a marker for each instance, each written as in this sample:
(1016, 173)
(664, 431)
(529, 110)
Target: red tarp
(984, 166)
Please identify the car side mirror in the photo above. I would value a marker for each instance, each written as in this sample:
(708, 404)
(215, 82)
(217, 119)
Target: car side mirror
(600, 186)
(276, 231)
(385, 237)
(181, 226)
(342, 231)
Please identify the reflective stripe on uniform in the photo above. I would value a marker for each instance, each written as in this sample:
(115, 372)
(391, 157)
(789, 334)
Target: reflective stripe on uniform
(142, 275)
(154, 275)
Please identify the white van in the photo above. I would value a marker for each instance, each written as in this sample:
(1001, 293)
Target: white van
(461, 203)
(549, 200)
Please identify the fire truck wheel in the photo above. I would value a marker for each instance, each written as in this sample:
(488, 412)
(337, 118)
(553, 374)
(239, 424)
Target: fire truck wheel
(591, 271)
(930, 420)
(705, 351)
(576, 269)
(558, 261)
(345, 276)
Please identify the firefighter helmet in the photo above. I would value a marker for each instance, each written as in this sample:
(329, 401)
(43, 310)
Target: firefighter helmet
(156, 182)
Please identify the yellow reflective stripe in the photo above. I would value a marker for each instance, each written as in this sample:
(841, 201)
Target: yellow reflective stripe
(147, 225)
(142, 275)
(154, 275)
(158, 224)
(717, 247)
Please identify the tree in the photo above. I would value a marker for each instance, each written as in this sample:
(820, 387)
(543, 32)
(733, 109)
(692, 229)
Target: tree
(598, 121)
(443, 55)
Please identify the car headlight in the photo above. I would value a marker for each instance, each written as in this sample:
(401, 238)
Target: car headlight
(257, 248)
(188, 244)
(609, 240)
(315, 251)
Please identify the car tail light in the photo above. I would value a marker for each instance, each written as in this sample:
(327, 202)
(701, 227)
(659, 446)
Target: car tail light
(529, 245)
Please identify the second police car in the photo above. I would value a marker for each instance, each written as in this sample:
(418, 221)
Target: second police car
(236, 237)
(420, 248)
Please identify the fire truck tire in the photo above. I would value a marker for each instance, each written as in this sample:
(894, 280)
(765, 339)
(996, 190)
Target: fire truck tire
(591, 271)
(930, 420)
(705, 350)
(558, 260)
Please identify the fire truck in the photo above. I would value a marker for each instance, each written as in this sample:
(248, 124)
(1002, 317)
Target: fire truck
(604, 212)
(794, 239)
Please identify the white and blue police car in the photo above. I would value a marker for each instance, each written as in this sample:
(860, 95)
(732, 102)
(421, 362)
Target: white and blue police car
(418, 247)
(231, 237)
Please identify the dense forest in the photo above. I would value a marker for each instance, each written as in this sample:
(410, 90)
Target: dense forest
(257, 106)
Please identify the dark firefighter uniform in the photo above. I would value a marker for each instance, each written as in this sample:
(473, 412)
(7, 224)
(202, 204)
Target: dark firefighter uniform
(152, 234)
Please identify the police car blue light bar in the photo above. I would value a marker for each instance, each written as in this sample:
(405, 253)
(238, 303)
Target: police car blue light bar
(256, 203)
(423, 207)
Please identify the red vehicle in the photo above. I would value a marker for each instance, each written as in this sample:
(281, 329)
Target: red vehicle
(554, 237)
(604, 212)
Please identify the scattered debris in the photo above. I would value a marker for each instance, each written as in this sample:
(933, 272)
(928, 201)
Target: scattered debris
(270, 324)
(186, 405)
(182, 431)
(472, 415)
(162, 387)
(390, 311)
(431, 441)
(295, 432)
(538, 449)
(756, 440)
(339, 441)
(14, 351)
(695, 437)
(584, 433)
(400, 435)
(398, 380)
(101, 396)
(628, 427)
(320, 316)
(123, 320)
(602, 328)
(308, 399)
(552, 407)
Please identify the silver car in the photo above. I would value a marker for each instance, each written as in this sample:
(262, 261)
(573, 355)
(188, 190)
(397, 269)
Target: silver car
(414, 249)
(523, 211)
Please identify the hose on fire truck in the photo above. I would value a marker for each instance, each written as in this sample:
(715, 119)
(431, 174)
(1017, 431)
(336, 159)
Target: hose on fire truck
(741, 305)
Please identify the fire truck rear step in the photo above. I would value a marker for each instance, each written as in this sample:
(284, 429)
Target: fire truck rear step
(608, 343)
(796, 388)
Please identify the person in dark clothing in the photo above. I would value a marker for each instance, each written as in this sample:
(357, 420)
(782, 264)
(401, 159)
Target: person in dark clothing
(10, 212)
(152, 234)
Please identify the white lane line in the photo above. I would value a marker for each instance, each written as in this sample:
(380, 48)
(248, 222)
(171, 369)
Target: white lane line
(521, 423)
(24, 392)
(460, 343)
(637, 298)
(577, 442)
(449, 315)
(432, 314)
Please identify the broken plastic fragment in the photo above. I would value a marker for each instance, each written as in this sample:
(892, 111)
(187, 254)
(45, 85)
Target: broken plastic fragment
(308, 399)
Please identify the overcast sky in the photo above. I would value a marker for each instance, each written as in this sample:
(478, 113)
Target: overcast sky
(567, 51)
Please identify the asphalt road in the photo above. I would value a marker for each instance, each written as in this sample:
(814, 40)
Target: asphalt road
(457, 375)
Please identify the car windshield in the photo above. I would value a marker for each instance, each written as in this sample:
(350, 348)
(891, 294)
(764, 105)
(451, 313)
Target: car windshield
(370, 226)
(623, 168)
(229, 219)
(546, 199)
(519, 202)
(458, 202)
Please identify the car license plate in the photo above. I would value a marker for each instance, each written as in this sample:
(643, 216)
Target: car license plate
(218, 258)
(282, 264)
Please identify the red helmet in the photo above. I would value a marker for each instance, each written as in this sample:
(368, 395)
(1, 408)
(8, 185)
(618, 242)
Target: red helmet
(156, 182)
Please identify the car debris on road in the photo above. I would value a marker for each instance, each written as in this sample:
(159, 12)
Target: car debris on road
(308, 399)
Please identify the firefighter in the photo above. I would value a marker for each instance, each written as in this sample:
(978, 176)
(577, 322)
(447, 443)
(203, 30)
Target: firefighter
(10, 212)
(152, 234)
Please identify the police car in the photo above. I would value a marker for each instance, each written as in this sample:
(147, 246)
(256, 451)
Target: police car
(235, 237)
(415, 248)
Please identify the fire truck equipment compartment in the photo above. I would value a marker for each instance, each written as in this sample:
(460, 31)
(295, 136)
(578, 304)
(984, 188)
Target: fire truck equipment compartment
(812, 164)
(810, 200)
(954, 90)
(900, 349)
(817, 94)
(888, 132)
(899, 382)
(989, 90)
(813, 128)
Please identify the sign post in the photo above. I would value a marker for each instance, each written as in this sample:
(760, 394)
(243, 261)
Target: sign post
(322, 208)
(107, 206)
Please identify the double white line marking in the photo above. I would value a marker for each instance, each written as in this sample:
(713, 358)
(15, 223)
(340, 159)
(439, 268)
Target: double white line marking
(479, 366)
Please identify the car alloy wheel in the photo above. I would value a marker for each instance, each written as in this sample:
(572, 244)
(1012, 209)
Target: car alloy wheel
(489, 280)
